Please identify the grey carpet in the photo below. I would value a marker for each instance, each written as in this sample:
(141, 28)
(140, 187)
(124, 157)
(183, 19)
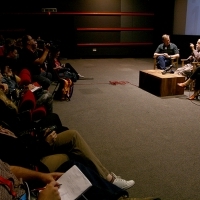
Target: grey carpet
(152, 140)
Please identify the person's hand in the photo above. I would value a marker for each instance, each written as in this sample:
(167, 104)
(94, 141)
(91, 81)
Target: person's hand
(46, 47)
(4, 87)
(31, 86)
(192, 46)
(50, 192)
(51, 138)
(49, 177)
(9, 73)
(166, 55)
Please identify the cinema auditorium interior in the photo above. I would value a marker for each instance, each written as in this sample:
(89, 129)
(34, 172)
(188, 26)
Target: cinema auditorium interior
(110, 84)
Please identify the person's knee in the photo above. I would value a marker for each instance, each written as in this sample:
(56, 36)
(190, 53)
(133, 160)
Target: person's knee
(73, 133)
(53, 162)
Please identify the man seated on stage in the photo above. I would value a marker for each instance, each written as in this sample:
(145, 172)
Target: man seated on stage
(165, 52)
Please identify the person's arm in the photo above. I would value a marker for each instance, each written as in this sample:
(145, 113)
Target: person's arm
(51, 189)
(4, 87)
(158, 52)
(176, 52)
(196, 55)
(174, 56)
(30, 175)
(155, 55)
(40, 61)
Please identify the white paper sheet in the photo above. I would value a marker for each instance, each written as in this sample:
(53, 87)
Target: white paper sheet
(74, 183)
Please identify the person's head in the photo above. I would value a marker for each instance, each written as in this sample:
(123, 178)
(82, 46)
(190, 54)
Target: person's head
(9, 42)
(198, 45)
(55, 52)
(28, 41)
(12, 52)
(35, 45)
(5, 70)
(166, 39)
(19, 42)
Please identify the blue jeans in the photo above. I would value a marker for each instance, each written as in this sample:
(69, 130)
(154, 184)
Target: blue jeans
(163, 62)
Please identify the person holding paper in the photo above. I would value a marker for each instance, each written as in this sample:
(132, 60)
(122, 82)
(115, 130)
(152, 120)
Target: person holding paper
(73, 146)
(53, 150)
(14, 174)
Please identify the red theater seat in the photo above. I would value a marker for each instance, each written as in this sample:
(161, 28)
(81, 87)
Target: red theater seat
(28, 102)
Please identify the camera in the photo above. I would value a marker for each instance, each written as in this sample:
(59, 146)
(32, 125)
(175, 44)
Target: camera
(41, 131)
(48, 44)
(51, 129)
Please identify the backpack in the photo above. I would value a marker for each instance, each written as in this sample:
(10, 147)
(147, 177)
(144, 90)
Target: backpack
(65, 90)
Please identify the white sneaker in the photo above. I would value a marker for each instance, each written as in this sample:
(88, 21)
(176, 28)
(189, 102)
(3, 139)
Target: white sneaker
(80, 76)
(121, 183)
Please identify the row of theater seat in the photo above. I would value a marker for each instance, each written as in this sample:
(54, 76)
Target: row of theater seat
(28, 101)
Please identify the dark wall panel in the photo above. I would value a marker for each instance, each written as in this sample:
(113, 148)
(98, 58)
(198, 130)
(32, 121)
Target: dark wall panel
(62, 26)
(98, 37)
(97, 21)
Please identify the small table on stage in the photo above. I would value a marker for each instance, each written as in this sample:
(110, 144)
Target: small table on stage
(155, 82)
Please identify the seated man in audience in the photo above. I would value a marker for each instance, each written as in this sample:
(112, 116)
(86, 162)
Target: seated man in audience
(52, 150)
(165, 52)
(30, 59)
(11, 59)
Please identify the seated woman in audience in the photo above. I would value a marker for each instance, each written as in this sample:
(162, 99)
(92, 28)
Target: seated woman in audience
(63, 70)
(43, 97)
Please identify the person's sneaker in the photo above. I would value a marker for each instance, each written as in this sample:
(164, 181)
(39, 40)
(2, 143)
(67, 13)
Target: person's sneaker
(121, 183)
(81, 76)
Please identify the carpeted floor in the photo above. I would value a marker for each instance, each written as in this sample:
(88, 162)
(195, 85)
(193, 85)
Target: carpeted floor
(152, 140)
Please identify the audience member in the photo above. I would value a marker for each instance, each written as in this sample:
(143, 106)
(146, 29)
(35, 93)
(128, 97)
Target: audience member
(165, 52)
(3, 86)
(29, 59)
(63, 70)
(12, 175)
(44, 71)
(43, 97)
(8, 42)
(19, 45)
(11, 59)
(30, 180)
